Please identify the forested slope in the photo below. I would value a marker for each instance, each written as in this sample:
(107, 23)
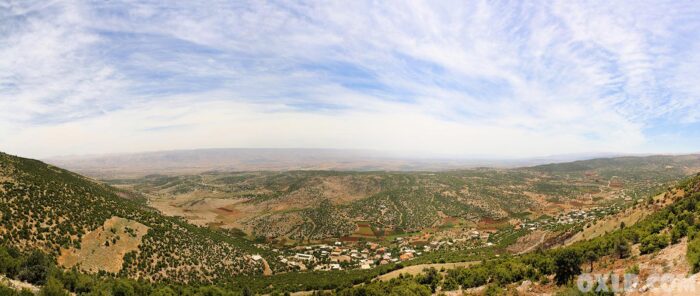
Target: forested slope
(51, 209)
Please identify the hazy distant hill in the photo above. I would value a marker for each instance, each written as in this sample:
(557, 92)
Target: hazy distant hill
(201, 160)
(625, 163)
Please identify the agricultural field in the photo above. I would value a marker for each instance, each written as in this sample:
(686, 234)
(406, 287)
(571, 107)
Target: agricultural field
(313, 206)
(300, 230)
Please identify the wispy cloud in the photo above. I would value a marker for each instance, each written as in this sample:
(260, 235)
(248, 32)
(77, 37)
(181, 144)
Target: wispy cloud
(502, 78)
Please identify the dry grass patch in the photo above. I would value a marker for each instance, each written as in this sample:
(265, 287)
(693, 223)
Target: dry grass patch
(419, 269)
(104, 247)
(529, 242)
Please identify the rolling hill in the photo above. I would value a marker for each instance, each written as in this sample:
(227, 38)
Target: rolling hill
(91, 225)
(139, 228)
(317, 205)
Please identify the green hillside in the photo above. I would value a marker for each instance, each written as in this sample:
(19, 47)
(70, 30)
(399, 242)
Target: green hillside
(51, 209)
(317, 205)
(553, 271)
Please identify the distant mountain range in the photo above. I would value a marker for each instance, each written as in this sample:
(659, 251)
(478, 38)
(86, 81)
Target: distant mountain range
(244, 159)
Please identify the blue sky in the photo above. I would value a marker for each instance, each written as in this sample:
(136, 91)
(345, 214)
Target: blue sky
(430, 78)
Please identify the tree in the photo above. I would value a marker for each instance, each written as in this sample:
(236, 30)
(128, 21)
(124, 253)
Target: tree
(53, 288)
(494, 290)
(35, 268)
(621, 247)
(653, 243)
(123, 288)
(165, 291)
(591, 257)
(567, 264)
(8, 264)
(450, 284)
(675, 235)
(679, 230)
(693, 254)
(247, 292)
(431, 278)
(7, 291)
(410, 288)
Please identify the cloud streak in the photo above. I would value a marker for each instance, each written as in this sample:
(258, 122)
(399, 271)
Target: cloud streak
(496, 78)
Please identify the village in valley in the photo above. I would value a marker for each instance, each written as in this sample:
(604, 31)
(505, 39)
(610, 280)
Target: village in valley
(348, 254)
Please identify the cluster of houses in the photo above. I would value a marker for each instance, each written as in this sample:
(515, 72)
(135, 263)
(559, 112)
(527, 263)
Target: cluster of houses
(340, 255)
(465, 237)
(367, 255)
(579, 216)
(568, 218)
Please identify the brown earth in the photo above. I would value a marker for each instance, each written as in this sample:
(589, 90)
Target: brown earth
(529, 242)
(418, 269)
(104, 247)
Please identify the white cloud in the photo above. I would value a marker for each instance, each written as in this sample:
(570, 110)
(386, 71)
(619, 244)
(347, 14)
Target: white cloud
(50, 71)
(460, 79)
(397, 127)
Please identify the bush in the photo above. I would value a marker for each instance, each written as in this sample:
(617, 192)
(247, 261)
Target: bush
(653, 243)
(8, 264)
(494, 290)
(53, 288)
(567, 263)
(693, 254)
(450, 284)
(621, 247)
(166, 291)
(35, 268)
(5, 291)
(123, 288)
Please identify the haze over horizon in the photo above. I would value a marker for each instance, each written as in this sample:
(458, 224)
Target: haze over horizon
(497, 79)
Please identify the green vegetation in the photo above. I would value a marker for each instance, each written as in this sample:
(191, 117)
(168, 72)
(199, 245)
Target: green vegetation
(653, 243)
(693, 254)
(402, 202)
(565, 263)
(47, 208)
(6, 291)
(44, 209)
(641, 176)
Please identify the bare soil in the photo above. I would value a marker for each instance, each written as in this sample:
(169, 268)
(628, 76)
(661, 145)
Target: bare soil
(104, 247)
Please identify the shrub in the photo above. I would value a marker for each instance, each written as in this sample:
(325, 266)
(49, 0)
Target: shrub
(53, 288)
(693, 254)
(653, 243)
(568, 264)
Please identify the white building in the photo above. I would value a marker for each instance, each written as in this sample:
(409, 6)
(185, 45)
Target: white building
(305, 257)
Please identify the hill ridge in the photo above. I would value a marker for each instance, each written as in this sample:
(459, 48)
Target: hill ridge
(51, 209)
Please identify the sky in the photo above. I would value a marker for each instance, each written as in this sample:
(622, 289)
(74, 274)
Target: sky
(432, 78)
